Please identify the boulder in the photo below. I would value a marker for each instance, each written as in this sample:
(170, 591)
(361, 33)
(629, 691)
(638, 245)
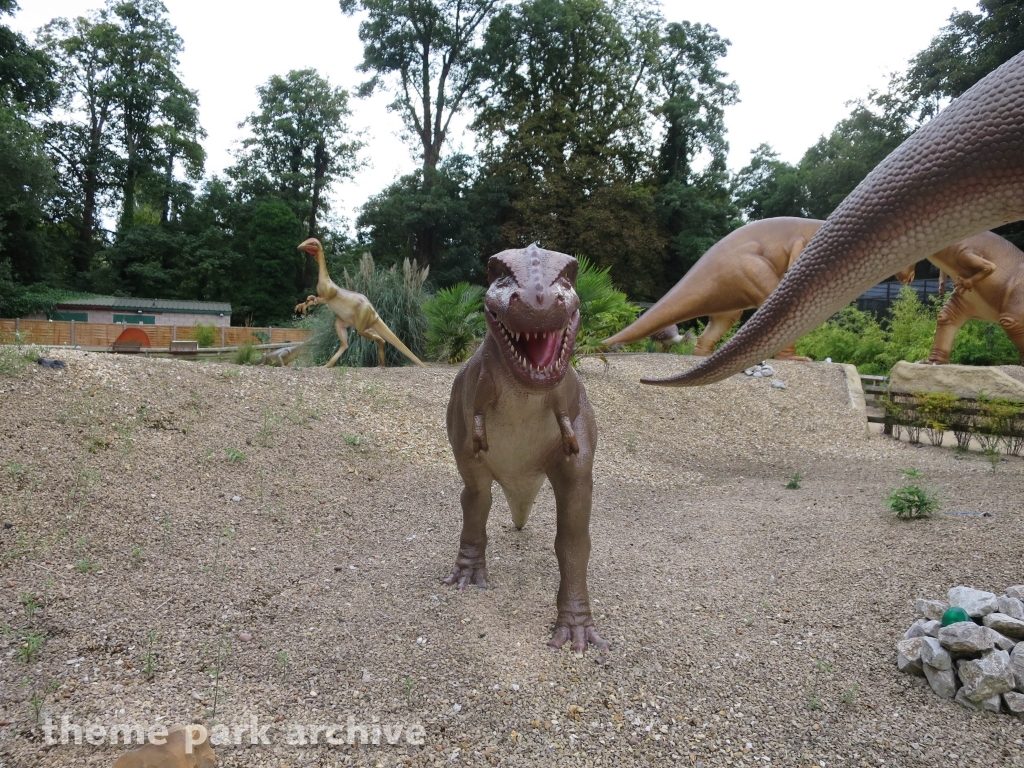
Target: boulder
(976, 602)
(932, 627)
(1017, 591)
(986, 677)
(993, 704)
(908, 656)
(964, 380)
(1001, 641)
(916, 630)
(1014, 703)
(1017, 666)
(965, 638)
(942, 681)
(1011, 606)
(1006, 625)
(931, 609)
(934, 655)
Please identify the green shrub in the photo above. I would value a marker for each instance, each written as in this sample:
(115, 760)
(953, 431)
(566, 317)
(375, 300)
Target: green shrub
(604, 311)
(981, 343)
(455, 322)
(246, 354)
(206, 335)
(912, 501)
(398, 297)
(15, 354)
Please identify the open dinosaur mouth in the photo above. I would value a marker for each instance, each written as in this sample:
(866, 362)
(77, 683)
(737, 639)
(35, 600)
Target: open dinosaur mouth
(538, 355)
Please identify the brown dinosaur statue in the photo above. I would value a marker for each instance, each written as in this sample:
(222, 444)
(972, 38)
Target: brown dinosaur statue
(988, 272)
(282, 357)
(350, 309)
(960, 174)
(738, 272)
(518, 414)
(177, 751)
(669, 336)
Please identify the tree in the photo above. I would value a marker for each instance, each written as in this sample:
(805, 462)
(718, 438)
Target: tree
(694, 207)
(563, 123)
(965, 50)
(768, 187)
(427, 48)
(300, 144)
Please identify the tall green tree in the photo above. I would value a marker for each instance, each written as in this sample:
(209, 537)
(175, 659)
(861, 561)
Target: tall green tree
(300, 145)
(768, 187)
(694, 206)
(425, 51)
(563, 121)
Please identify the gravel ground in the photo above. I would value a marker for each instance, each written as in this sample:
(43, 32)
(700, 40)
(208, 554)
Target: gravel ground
(186, 537)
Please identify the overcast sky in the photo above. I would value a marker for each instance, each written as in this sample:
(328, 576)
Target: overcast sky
(797, 64)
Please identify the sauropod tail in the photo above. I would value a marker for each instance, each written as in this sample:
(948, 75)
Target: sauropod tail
(380, 327)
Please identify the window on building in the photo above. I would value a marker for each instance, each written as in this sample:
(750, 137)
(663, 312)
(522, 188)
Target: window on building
(78, 317)
(136, 319)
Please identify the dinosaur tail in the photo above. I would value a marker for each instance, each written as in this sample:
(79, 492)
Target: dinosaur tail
(960, 174)
(380, 327)
(682, 302)
(290, 357)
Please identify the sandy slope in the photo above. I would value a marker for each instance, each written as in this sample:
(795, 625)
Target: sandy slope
(740, 613)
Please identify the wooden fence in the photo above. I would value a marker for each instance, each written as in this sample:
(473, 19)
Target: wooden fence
(102, 335)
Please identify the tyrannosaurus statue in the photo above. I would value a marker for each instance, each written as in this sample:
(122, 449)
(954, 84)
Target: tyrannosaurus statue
(518, 413)
(738, 272)
(960, 174)
(350, 309)
(988, 272)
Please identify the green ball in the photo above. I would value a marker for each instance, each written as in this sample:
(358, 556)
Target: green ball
(954, 615)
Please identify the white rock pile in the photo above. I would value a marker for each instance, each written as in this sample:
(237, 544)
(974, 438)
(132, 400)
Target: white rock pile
(764, 371)
(977, 663)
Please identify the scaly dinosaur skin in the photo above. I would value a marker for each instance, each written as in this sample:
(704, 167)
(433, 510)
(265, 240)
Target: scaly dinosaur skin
(738, 272)
(518, 413)
(961, 174)
(350, 309)
(988, 272)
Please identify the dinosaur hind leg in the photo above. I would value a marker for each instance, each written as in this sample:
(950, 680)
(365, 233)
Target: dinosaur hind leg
(951, 319)
(718, 326)
(372, 335)
(1013, 324)
(342, 330)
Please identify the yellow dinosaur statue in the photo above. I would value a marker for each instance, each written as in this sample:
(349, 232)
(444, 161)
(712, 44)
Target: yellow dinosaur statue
(736, 273)
(350, 309)
(184, 747)
(988, 273)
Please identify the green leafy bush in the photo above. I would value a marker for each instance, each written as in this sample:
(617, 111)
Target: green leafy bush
(246, 354)
(206, 335)
(604, 310)
(857, 337)
(912, 501)
(398, 297)
(455, 322)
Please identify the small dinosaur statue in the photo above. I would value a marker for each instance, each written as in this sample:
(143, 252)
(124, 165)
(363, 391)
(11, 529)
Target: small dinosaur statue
(173, 753)
(350, 309)
(518, 414)
(668, 336)
(960, 174)
(281, 357)
(738, 272)
(988, 273)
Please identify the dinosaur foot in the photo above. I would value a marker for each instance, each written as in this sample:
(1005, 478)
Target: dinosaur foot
(579, 634)
(930, 362)
(467, 572)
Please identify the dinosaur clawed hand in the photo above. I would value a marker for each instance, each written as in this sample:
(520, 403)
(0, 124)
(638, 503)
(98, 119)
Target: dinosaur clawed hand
(311, 301)
(580, 633)
(964, 284)
(570, 445)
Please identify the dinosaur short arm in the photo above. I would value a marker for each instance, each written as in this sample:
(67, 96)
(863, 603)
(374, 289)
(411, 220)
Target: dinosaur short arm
(486, 393)
(973, 268)
(570, 445)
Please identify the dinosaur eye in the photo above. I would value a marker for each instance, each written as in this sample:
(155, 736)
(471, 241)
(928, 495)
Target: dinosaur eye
(497, 269)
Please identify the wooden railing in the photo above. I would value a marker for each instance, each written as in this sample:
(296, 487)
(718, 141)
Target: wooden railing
(102, 335)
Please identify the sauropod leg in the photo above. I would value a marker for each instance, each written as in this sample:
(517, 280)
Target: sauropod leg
(951, 319)
(717, 328)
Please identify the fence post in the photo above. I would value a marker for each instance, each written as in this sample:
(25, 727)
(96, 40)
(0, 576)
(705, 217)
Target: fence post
(72, 333)
(17, 325)
(174, 333)
(270, 334)
(222, 334)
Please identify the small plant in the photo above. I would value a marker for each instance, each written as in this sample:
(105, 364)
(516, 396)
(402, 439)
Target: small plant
(234, 455)
(409, 685)
(994, 457)
(285, 661)
(85, 565)
(351, 439)
(31, 644)
(912, 502)
(31, 604)
(137, 555)
(456, 322)
(794, 482)
(206, 335)
(149, 658)
(246, 354)
(849, 698)
(270, 421)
